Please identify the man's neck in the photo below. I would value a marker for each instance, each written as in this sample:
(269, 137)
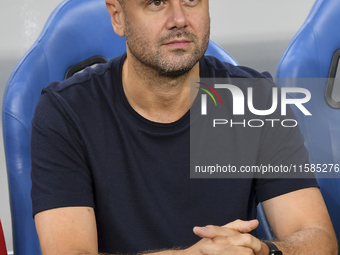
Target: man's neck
(156, 97)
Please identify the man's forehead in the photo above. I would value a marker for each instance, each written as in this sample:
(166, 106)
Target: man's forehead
(136, 1)
(145, 1)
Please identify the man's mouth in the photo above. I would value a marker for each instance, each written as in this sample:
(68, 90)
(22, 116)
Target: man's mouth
(178, 43)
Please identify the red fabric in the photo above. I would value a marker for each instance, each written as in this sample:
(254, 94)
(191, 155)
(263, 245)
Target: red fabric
(3, 250)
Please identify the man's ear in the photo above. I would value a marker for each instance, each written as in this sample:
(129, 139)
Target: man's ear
(117, 16)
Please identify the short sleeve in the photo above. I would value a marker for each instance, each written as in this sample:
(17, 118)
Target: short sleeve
(283, 146)
(60, 174)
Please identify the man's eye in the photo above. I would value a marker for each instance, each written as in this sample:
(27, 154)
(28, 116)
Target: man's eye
(157, 2)
(191, 2)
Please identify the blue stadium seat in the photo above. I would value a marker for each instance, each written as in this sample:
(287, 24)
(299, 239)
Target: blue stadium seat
(76, 31)
(313, 53)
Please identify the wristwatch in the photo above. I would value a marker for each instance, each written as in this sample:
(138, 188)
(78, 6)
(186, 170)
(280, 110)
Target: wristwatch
(273, 249)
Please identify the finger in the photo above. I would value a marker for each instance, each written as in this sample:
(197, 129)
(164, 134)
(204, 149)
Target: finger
(213, 249)
(243, 226)
(244, 240)
(213, 231)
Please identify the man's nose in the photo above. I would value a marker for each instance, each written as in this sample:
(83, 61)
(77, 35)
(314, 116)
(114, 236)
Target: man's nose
(177, 16)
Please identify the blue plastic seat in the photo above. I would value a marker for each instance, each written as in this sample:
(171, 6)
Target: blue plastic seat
(76, 31)
(310, 55)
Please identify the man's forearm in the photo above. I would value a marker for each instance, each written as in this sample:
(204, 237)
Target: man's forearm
(160, 252)
(164, 252)
(309, 241)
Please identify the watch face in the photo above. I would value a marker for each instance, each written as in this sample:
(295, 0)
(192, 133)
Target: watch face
(275, 252)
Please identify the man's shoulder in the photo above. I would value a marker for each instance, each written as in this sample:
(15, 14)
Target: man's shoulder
(101, 74)
(85, 90)
(219, 69)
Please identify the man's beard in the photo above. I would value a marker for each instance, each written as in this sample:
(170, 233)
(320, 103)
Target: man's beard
(177, 65)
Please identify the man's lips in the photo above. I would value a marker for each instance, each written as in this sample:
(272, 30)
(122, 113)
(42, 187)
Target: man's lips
(178, 43)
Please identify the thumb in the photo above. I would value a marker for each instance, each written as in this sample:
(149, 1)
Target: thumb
(238, 226)
(243, 226)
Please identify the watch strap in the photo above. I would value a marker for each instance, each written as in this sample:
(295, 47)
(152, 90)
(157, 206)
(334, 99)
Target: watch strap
(273, 249)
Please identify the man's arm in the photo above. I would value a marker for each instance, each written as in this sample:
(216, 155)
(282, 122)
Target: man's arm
(301, 223)
(299, 220)
(73, 231)
(68, 230)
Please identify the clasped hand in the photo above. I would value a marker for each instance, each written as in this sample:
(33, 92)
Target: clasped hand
(232, 238)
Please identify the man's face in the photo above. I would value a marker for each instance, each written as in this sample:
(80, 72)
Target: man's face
(169, 36)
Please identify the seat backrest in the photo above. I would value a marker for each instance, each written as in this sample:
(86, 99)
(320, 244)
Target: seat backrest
(75, 32)
(310, 55)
